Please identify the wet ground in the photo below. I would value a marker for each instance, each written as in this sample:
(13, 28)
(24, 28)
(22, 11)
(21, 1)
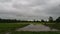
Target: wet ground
(36, 27)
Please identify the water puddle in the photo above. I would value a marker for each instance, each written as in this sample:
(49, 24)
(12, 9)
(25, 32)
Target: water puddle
(36, 27)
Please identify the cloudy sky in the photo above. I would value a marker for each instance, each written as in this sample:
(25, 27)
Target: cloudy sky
(29, 9)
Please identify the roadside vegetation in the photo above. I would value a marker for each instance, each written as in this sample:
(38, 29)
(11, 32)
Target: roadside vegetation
(29, 32)
(10, 27)
(55, 26)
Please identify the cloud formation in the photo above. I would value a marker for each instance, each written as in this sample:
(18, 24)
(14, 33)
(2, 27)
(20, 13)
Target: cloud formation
(29, 9)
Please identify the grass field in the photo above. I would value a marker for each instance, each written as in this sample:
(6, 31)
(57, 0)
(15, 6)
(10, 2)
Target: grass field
(9, 27)
(27, 32)
(55, 25)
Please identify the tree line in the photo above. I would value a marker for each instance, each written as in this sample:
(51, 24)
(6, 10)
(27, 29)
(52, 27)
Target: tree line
(50, 19)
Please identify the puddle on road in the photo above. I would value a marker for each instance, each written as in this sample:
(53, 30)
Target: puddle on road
(36, 27)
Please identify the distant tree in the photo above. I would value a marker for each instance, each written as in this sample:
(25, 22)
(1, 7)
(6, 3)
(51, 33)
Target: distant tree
(50, 19)
(0, 19)
(42, 20)
(58, 19)
(38, 21)
(34, 20)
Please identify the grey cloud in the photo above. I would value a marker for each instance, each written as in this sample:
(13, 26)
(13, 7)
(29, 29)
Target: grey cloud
(29, 9)
(55, 11)
(5, 1)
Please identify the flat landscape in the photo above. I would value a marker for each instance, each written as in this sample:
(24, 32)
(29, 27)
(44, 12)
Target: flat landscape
(29, 28)
(10, 27)
(29, 16)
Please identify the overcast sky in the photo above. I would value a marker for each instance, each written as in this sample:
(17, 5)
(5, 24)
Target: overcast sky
(29, 9)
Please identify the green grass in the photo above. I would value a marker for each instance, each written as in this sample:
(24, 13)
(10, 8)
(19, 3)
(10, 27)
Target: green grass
(55, 25)
(27, 32)
(9, 27)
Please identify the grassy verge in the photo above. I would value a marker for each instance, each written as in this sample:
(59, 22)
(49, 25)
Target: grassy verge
(9, 27)
(29, 32)
(55, 25)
